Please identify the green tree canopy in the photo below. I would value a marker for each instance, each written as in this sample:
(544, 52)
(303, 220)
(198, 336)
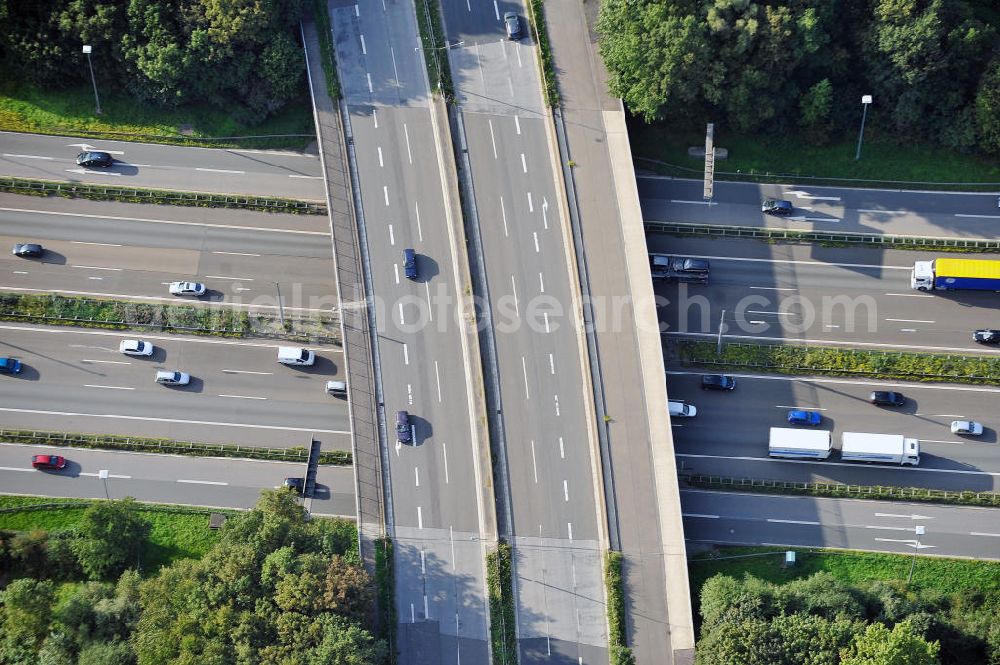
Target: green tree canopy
(110, 538)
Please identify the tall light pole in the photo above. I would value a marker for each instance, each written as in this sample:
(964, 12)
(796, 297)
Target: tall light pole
(97, 100)
(919, 530)
(865, 101)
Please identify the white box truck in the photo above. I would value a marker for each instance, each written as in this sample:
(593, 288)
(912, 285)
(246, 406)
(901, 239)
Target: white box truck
(799, 443)
(884, 448)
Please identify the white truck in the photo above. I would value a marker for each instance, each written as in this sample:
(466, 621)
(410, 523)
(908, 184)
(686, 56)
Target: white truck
(799, 443)
(884, 448)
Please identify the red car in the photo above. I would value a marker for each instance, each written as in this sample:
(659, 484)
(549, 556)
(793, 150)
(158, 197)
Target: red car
(48, 462)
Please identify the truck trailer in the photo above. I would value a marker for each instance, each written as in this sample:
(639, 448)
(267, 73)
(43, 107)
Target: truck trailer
(884, 448)
(799, 443)
(955, 274)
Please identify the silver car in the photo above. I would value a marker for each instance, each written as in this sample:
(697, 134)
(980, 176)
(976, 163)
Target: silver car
(970, 427)
(135, 347)
(172, 378)
(187, 289)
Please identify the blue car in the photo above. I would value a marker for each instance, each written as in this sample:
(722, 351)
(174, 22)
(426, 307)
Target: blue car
(10, 366)
(804, 418)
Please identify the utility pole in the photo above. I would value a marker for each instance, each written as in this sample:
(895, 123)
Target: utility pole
(281, 310)
(865, 101)
(97, 100)
(916, 546)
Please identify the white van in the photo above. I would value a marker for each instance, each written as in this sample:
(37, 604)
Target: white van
(295, 355)
(681, 409)
(336, 388)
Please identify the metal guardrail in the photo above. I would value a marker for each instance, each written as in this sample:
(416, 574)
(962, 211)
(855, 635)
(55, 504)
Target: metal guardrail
(883, 492)
(871, 239)
(45, 187)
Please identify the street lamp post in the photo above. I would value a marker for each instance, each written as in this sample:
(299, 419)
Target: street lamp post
(919, 530)
(97, 100)
(281, 309)
(865, 101)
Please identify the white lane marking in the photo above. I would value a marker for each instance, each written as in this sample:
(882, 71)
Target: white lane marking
(357, 10)
(437, 377)
(245, 371)
(805, 522)
(402, 321)
(773, 288)
(469, 7)
(496, 10)
(427, 614)
(545, 316)
(910, 295)
(493, 139)
(444, 456)
(541, 283)
(171, 420)
(420, 518)
(364, 49)
(395, 269)
(406, 135)
(8, 154)
(220, 171)
(423, 561)
(699, 203)
(392, 237)
(409, 394)
(552, 364)
(524, 164)
(703, 516)
(101, 244)
(883, 212)
(110, 475)
(89, 385)
(306, 177)
(545, 211)
(420, 231)
(375, 118)
(503, 214)
(562, 451)
(531, 204)
(369, 77)
(406, 354)
(517, 51)
(430, 307)
(910, 321)
(413, 618)
(385, 194)
(907, 330)
(569, 526)
(242, 397)
(510, 83)
(166, 221)
(758, 311)
(98, 268)
(958, 214)
(107, 362)
(100, 173)
(14, 468)
(232, 253)
(804, 408)
(236, 279)
(983, 533)
(566, 490)
(380, 162)
(534, 466)
(806, 195)
(202, 482)
(850, 382)
(940, 415)
(416, 478)
(513, 287)
(957, 443)
(395, 72)
(524, 370)
(556, 398)
(25, 272)
(535, 234)
(517, 124)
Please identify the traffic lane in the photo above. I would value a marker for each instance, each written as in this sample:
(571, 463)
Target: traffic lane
(842, 523)
(497, 76)
(738, 422)
(260, 172)
(936, 214)
(200, 481)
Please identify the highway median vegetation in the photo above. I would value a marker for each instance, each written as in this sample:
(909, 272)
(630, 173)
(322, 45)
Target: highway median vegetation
(385, 583)
(541, 34)
(328, 53)
(798, 360)
(434, 45)
(620, 654)
(500, 584)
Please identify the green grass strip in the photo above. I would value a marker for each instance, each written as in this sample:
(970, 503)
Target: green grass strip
(170, 446)
(327, 51)
(617, 638)
(541, 34)
(796, 359)
(434, 45)
(385, 584)
(503, 638)
(840, 491)
(70, 190)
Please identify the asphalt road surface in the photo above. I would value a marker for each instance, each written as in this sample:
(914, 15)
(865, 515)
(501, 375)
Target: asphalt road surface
(176, 479)
(906, 213)
(729, 434)
(561, 615)
(76, 380)
(851, 296)
(281, 173)
(434, 510)
(881, 526)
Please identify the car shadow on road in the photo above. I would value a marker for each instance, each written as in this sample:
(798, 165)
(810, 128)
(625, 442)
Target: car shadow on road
(427, 268)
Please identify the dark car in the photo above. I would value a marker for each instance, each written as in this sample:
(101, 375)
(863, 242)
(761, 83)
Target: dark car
(691, 265)
(410, 264)
(404, 430)
(776, 207)
(512, 23)
(986, 336)
(718, 382)
(91, 159)
(10, 366)
(54, 462)
(28, 249)
(797, 417)
(297, 485)
(886, 398)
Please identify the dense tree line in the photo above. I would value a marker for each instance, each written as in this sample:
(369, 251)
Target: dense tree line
(238, 55)
(770, 67)
(276, 589)
(821, 621)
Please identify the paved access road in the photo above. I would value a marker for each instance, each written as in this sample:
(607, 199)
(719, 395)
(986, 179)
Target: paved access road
(195, 481)
(287, 174)
(916, 213)
(434, 512)
(94, 249)
(881, 526)
(853, 296)
(75, 380)
(731, 429)
(557, 545)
